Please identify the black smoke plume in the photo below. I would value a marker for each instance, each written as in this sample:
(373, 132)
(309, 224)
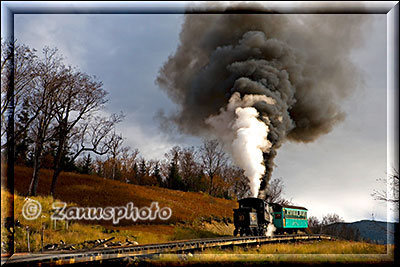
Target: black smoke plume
(302, 62)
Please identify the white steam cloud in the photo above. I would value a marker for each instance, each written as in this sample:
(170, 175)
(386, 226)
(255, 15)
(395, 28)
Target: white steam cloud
(245, 136)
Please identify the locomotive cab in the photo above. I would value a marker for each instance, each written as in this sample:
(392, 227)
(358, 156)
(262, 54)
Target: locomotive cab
(251, 218)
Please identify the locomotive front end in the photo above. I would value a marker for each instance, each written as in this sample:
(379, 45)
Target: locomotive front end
(251, 218)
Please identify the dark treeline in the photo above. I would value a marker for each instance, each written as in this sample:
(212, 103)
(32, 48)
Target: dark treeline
(202, 169)
(333, 224)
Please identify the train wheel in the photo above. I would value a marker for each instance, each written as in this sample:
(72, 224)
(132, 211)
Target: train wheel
(262, 232)
(253, 232)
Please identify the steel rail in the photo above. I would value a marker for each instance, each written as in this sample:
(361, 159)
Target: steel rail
(112, 253)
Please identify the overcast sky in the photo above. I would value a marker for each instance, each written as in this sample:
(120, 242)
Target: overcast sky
(335, 174)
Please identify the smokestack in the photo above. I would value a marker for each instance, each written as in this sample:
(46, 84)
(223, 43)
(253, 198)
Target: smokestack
(257, 80)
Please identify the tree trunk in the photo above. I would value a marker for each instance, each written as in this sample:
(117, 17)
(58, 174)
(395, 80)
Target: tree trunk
(36, 167)
(211, 184)
(56, 173)
(113, 170)
(57, 168)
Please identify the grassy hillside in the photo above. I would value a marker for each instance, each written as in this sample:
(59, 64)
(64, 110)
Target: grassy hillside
(94, 191)
(194, 215)
(80, 231)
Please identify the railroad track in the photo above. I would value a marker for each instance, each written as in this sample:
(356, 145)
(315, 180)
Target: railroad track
(102, 254)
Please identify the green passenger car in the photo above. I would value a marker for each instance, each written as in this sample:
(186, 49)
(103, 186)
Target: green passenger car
(289, 218)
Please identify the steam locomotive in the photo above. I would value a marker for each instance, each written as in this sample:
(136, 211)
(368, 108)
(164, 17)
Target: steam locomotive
(255, 217)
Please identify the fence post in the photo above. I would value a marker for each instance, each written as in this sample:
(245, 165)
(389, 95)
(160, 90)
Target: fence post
(41, 238)
(27, 238)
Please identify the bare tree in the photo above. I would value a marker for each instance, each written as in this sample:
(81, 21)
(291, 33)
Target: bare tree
(392, 196)
(44, 95)
(238, 182)
(324, 226)
(23, 78)
(114, 151)
(331, 218)
(275, 192)
(128, 160)
(80, 96)
(189, 167)
(213, 160)
(95, 134)
(164, 171)
(313, 222)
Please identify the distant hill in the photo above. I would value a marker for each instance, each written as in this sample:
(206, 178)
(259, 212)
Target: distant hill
(367, 230)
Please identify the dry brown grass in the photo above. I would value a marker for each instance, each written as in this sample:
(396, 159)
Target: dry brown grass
(298, 254)
(317, 247)
(94, 191)
(79, 231)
